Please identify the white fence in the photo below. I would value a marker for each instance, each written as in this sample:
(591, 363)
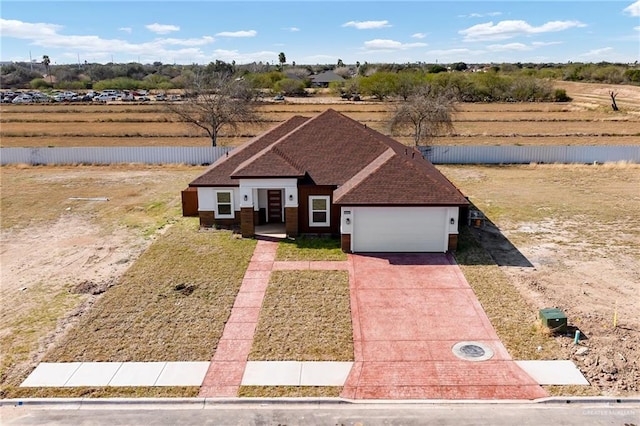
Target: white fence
(531, 154)
(437, 154)
(112, 155)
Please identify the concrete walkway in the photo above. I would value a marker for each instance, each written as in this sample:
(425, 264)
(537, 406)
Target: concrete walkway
(409, 312)
(229, 368)
(410, 315)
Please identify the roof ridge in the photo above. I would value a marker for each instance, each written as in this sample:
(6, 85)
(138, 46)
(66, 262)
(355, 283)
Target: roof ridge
(267, 148)
(359, 177)
(276, 149)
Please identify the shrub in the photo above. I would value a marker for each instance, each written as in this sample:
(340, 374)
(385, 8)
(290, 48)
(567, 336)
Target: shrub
(560, 95)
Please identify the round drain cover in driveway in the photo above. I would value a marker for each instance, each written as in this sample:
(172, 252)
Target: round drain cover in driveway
(472, 351)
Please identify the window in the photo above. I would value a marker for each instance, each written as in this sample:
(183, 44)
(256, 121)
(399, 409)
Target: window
(319, 213)
(224, 204)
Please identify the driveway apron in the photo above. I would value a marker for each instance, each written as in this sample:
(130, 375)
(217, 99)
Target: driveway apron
(412, 313)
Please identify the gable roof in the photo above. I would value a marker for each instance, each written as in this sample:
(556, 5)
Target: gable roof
(219, 173)
(326, 77)
(331, 149)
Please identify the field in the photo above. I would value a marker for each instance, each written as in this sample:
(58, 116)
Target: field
(559, 236)
(588, 120)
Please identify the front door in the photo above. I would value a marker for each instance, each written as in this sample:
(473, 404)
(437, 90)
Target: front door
(274, 206)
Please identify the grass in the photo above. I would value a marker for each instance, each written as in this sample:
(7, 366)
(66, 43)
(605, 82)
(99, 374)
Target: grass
(171, 305)
(305, 316)
(108, 392)
(310, 248)
(161, 310)
(143, 197)
(513, 319)
(289, 391)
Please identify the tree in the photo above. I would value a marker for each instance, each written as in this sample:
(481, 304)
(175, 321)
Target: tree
(613, 95)
(282, 59)
(380, 85)
(214, 102)
(46, 62)
(340, 63)
(427, 111)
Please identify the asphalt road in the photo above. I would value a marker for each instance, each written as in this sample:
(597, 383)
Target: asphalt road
(327, 413)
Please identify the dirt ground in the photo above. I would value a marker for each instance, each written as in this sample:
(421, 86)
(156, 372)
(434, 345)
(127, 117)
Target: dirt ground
(571, 241)
(54, 265)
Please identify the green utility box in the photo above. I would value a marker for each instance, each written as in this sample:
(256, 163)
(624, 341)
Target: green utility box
(554, 319)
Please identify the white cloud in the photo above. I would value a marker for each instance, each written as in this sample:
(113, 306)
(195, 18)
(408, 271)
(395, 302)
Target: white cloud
(597, 52)
(637, 28)
(26, 30)
(633, 9)
(127, 30)
(418, 35)
(545, 43)
(98, 49)
(480, 15)
(250, 33)
(457, 51)
(508, 29)
(162, 29)
(508, 47)
(292, 29)
(367, 25)
(187, 41)
(379, 44)
(243, 58)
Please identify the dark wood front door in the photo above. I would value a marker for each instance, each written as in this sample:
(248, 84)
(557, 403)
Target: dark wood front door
(274, 206)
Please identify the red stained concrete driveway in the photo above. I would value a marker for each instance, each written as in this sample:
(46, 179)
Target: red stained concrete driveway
(408, 311)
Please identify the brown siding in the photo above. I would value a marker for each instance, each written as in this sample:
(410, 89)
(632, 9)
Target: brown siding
(208, 220)
(453, 242)
(304, 191)
(247, 226)
(190, 202)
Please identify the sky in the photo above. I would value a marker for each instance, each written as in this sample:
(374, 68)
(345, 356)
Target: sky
(320, 32)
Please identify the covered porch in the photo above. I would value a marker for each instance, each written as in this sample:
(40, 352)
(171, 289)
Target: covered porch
(269, 207)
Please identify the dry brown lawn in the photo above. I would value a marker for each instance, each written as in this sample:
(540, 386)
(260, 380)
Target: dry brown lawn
(586, 121)
(577, 227)
(305, 316)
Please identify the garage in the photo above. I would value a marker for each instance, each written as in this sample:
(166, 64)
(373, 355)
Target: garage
(401, 229)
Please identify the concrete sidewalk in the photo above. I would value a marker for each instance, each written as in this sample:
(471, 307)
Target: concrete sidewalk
(409, 314)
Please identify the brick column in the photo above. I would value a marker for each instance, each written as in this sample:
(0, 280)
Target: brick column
(453, 242)
(345, 243)
(247, 226)
(291, 221)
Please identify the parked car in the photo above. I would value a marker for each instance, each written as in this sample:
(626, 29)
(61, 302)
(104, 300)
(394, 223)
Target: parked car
(103, 97)
(278, 98)
(161, 97)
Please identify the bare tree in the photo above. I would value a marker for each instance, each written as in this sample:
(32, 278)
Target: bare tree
(613, 100)
(427, 111)
(214, 101)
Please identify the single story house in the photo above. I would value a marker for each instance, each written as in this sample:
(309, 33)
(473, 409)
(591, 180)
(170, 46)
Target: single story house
(323, 78)
(333, 175)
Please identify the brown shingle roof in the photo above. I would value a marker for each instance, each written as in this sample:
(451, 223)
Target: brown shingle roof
(219, 174)
(330, 147)
(368, 167)
(400, 180)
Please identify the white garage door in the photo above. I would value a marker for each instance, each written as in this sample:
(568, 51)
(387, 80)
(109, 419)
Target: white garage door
(400, 229)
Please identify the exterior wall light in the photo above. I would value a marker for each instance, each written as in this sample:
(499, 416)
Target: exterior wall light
(452, 221)
(246, 197)
(347, 221)
(290, 197)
